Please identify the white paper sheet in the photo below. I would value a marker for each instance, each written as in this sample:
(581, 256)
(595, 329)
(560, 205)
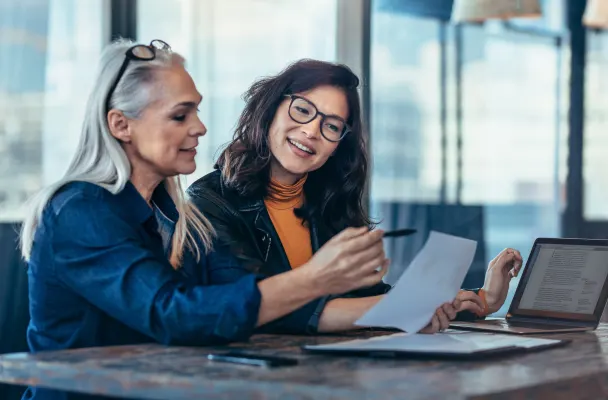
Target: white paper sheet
(434, 277)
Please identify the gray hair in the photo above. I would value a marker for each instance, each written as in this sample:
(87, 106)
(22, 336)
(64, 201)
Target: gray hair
(100, 159)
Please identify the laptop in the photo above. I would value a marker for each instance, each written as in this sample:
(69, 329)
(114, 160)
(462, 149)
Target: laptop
(564, 288)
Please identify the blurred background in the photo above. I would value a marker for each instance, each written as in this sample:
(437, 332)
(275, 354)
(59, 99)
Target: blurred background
(491, 129)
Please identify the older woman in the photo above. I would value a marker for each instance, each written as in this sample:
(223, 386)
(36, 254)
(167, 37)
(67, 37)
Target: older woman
(111, 247)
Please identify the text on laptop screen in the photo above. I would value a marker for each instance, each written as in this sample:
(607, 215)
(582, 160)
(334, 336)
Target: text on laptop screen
(565, 278)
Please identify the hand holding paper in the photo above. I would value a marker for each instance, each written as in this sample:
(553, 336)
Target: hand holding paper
(434, 277)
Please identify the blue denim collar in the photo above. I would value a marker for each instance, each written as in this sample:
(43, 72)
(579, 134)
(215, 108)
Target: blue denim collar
(137, 209)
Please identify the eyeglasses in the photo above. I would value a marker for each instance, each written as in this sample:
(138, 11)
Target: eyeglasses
(303, 111)
(139, 52)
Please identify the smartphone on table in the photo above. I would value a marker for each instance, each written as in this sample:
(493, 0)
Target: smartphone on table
(257, 360)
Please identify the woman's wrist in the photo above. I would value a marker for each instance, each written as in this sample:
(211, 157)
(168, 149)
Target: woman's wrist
(307, 281)
(341, 314)
(483, 295)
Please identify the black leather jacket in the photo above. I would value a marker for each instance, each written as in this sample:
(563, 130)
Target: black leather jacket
(244, 225)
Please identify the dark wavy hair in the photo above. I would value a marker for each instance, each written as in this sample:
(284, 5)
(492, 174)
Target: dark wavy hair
(334, 192)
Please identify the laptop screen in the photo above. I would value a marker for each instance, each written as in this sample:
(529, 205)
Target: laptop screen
(565, 279)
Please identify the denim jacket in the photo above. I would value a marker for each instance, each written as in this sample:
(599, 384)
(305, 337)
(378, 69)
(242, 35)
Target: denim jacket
(99, 275)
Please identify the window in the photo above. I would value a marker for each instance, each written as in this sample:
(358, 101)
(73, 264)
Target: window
(230, 43)
(465, 140)
(46, 52)
(514, 133)
(596, 128)
(405, 108)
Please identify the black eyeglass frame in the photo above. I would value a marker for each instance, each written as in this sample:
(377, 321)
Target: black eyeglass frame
(130, 55)
(345, 131)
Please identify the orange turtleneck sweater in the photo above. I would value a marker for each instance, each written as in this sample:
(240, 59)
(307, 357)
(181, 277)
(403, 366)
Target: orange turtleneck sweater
(281, 202)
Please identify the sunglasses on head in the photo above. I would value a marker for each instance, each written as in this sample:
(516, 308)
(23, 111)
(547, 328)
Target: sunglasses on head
(139, 52)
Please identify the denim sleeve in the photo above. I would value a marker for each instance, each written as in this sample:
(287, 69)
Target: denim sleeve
(224, 268)
(100, 256)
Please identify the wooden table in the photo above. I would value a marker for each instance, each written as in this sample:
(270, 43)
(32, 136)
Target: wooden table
(577, 371)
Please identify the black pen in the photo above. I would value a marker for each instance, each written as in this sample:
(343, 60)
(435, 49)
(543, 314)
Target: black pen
(399, 232)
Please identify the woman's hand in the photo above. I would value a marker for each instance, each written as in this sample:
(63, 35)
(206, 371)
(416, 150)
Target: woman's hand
(441, 319)
(350, 260)
(500, 271)
(464, 300)
(469, 301)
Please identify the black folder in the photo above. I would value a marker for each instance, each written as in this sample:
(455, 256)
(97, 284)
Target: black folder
(441, 345)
